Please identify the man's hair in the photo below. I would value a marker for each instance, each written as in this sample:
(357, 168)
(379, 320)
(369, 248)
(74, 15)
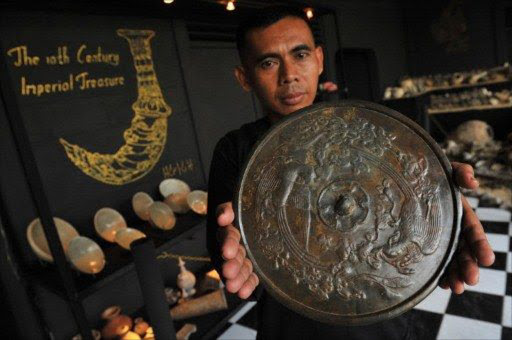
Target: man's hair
(262, 18)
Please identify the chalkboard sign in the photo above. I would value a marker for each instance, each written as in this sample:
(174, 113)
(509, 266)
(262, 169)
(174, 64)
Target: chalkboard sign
(103, 102)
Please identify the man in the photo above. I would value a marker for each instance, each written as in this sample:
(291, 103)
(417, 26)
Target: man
(281, 64)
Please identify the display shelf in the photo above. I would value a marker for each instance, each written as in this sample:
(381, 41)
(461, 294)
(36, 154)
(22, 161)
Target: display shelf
(466, 109)
(118, 260)
(443, 89)
(208, 325)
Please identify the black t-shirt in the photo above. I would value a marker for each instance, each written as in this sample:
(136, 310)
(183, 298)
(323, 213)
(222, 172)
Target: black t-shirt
(275, 321)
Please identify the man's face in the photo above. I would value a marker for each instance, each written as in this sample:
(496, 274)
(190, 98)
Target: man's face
(281, 66)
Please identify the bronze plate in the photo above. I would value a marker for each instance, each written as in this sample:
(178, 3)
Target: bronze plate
(348, 212)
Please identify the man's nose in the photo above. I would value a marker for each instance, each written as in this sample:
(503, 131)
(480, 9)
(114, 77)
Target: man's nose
(287, 72)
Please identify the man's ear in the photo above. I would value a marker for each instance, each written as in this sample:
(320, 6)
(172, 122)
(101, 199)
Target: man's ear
(242, 78)
(319, 53)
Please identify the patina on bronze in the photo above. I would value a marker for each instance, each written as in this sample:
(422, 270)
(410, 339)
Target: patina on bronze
(348, 212)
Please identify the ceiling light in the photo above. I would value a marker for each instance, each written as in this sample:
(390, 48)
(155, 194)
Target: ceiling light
(309, 12)
(231, 5)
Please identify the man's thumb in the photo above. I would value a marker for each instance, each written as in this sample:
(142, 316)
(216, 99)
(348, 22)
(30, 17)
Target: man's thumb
(225, 214)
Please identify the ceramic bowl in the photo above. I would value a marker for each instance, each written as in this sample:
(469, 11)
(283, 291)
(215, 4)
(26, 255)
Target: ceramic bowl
(124, 237)
(162, 216)
(175, 193)
(198, 201)
(86, 255)
(141, 203)
(107, 222)
(37, 239)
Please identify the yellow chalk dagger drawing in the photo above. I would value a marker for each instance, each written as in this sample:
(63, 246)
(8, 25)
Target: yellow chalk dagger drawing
(145, 138)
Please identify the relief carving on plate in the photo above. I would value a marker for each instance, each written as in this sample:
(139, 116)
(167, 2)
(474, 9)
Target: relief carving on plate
(337, 200)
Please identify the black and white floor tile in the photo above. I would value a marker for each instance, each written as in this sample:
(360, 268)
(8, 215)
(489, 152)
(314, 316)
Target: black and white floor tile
(484, 311)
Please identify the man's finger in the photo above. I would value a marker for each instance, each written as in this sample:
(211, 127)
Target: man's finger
(225, 214)
(230, 243)
(475, 236)
(249, 286)
(443, 282)
(231, 268)
(467, 265)
(456, 284)
(464, 175)
(235, 284)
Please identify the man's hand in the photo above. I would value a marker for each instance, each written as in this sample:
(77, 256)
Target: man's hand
(474, 249)
(237, 269)
(328, 86)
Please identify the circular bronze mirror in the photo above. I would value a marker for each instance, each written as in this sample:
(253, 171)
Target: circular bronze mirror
(348, 212)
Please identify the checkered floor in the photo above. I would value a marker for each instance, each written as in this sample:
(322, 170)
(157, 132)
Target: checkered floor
(484, 311)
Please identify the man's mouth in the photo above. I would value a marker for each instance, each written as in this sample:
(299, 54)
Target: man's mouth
(293, 98)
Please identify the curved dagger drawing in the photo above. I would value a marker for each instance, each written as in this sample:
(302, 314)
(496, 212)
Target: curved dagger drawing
(145, 138)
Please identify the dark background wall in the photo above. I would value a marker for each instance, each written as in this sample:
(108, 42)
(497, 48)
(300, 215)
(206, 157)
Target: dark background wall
(376, 25)
(449, 36)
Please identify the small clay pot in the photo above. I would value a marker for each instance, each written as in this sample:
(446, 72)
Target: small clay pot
(117, 324)
(130, 336)
(140, 327)
(149, 334)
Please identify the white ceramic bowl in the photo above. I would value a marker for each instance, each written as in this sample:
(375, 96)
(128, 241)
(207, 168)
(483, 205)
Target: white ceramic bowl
(141, 203)
(162, 216)
(38, 242)
(125, 237)
(107, 222)
(175, 193)
(86, 255)
(198, 201)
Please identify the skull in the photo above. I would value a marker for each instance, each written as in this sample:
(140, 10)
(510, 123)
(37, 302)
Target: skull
(473, 131)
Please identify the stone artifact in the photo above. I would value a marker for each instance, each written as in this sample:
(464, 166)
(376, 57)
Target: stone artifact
(186, 281)
(140, 204)
(96, 335)
(479, 98)
(116, 325)
(171, 295)
(413, 86)
(161, 216)
(503, 96)
(126, 236)
(198, 201)
(107, 222)
(185, 331)
(149, 334)
(140, 326)
(211, 281)
(86, 255)
(473, 131)
(175, 194)
(348, 212)
(130, 336)
(473, 143)
(205, 304)
(500, 196)
(37, 239)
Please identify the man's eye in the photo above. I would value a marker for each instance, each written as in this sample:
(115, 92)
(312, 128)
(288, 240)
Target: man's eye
(301, 55)
(266, 64)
